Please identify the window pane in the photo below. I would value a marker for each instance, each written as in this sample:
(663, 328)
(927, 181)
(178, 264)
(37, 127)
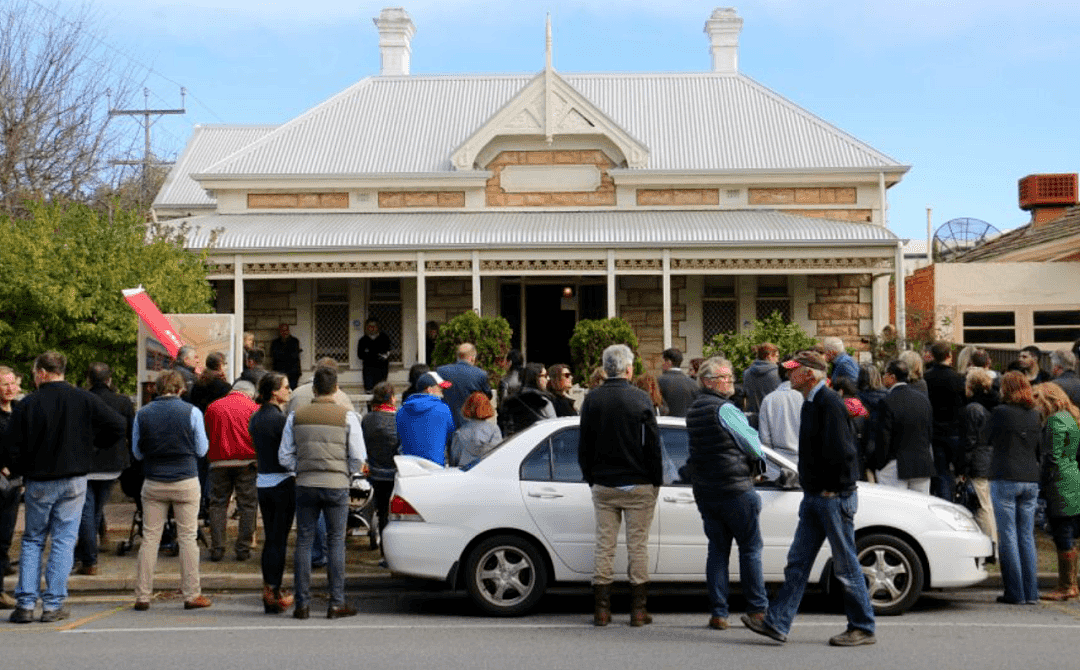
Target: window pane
(386, 289)
(989, 319)
(564, 457)
(717, 316)
(765, 309)
(537, 466)
(722, 286)
(1057, 334)
(989, 336)
(332, 332)
(1058, 318)
(676, 448)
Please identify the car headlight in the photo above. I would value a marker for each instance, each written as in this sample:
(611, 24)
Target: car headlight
(955, 517)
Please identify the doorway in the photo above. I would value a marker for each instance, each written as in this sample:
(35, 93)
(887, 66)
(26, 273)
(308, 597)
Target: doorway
(548, 326)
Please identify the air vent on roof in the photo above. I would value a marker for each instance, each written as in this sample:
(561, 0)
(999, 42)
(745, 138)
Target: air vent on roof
(1039, 190)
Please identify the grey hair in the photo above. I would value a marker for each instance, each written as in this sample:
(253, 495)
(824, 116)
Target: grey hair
(818, 374)
(711, 366)
(245, 387)
(184, 351)
(616, 359)
(1063, 358)
(833, 344)
(914, 363)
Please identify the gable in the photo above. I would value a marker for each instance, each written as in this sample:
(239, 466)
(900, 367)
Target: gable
(550, 108)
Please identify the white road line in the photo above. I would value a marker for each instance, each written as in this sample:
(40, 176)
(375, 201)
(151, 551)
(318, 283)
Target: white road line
(519, 626)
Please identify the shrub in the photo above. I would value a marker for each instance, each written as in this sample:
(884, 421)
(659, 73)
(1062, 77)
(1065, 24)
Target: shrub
(490, 334)
(591, 337)
(789, 338)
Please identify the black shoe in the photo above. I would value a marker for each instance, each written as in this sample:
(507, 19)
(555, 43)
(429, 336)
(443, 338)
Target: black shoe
(217, 554)
(301, 612)
(340, 611)
(21, 615)
(761, 628)
(49, 616)
(10, 570)
(243, 555)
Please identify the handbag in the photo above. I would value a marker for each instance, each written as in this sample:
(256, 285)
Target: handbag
(964, 494)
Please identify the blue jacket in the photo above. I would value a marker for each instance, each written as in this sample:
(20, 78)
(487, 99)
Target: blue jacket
(424, 426)
(465, 379)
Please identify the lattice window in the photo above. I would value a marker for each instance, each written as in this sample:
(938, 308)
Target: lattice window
(332, 319)
(773, 295)
(719, 311)
(384, 305)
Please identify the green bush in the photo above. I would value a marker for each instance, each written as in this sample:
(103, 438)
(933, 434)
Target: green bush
(789, 338)
(490, 335)
(591, 337)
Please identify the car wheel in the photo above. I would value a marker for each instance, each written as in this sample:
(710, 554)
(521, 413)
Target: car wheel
(893, 571)
(505, 575)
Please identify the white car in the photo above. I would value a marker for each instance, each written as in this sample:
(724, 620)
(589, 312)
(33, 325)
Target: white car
(522, 518)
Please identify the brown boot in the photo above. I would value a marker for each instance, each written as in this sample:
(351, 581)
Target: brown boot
(602, 604)
(270, 601)
(639, 594)
(1067, 586)
(284, 598)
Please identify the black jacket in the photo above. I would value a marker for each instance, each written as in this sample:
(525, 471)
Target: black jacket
(975, 435)
(53, 432)
(678, 391)
(828, 457)
(118, 456)
(717, 465)
(1070, 384)
(523, 409)
(1015, 435)
(620, 440)
(904, 433)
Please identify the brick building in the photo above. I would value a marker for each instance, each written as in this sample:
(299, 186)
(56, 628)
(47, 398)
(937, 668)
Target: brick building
(687, 203)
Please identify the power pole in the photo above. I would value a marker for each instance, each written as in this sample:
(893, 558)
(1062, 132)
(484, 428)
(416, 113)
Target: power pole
(147, 113)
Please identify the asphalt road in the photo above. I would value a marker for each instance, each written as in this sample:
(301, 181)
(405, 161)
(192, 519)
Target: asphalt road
(405, 627)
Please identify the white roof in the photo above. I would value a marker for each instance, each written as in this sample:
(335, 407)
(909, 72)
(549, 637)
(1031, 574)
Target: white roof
(413, 124)
(207, 145)
(518, 229)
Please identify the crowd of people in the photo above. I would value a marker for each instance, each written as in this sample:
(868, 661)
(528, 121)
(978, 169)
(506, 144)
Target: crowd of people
(922, 421)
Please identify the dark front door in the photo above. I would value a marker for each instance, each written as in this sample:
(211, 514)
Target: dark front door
(548, 326)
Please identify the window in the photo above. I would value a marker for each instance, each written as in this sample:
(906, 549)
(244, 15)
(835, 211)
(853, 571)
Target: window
(989, 327)
(1056, 325)
(555, 459)
(332, 319)
(384, 305)
(773, 295)
(718, 307)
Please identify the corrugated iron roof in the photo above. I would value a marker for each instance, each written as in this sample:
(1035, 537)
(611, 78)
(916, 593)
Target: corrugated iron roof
(696, 121)
(1024, 237)
(208, 144)
(517, 229)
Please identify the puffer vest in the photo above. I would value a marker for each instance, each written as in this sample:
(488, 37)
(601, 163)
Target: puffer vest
(718, 465)
(321, 435)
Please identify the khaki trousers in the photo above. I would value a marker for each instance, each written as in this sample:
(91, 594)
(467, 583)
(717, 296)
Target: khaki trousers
(610, 504)
(184, 496)
(984, 516)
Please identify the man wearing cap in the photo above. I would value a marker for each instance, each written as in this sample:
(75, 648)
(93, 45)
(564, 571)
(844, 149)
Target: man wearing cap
(424, 422)
(828, 471)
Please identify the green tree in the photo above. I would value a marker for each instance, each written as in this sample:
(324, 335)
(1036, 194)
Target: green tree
(62, 269)
(591, 337)
(490, 335)
(788, 337)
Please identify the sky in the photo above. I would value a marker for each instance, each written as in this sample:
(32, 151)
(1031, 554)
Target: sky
(972, 94)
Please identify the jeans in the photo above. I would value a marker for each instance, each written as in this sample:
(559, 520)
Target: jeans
(334, 504)
(184, 496)
(224, 481)
(318, 545)
(1014, 511)
(727, 518)
(53, 507)
(97, 494)
(278, 506)
(823, 518)
(1064, 530)
(610, 504)
(942, 483)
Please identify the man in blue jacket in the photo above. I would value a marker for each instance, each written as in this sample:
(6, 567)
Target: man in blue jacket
(465, 379)
(424, 422)
(828, 472)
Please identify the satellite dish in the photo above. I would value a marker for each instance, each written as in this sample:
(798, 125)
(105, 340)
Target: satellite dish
(956, 236)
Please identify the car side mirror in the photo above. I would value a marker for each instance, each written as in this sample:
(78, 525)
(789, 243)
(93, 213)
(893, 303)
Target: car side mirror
(788, 479)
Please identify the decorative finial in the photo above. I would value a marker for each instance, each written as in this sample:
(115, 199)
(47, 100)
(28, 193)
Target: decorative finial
(547, 43)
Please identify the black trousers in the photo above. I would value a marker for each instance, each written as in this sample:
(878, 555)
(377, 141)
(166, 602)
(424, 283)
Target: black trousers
(278, 506)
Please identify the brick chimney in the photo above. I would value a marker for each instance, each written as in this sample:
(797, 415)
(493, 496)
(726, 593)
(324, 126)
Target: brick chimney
(395, 34)
(1047, 196)
(723, 29)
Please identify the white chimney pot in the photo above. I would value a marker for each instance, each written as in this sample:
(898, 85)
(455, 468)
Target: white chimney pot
(723, 29)
(395, 34)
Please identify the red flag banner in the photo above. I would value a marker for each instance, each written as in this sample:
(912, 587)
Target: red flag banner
(153, 318)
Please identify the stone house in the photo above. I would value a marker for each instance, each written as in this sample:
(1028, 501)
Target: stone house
(688, 204)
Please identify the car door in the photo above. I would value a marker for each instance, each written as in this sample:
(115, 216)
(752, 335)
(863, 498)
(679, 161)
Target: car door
(560, 503)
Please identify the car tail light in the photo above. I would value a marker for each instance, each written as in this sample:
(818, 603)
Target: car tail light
(401, 510)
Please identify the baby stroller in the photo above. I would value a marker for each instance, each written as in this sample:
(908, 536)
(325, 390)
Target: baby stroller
(131, 481)
(361, 517)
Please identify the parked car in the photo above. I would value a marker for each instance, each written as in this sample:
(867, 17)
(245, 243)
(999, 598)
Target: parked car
(522, 518)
